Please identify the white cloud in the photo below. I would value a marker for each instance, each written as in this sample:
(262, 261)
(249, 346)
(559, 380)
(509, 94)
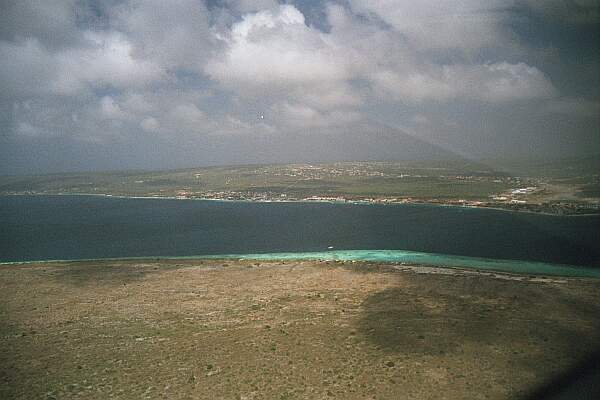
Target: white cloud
(441, 24)
(182, 69)
(505, 81)
(51, 22)
(137, 103)
(330, 96)
(109, 109)
(420, 119)
(276, 48)
(150, 124)
(189, 115)
(234, 126)
(302, 116)
(173, 34)
(248, 6)
(26, 129)
(270, 57)
(497, 82)
(28, 68)
(108, 61)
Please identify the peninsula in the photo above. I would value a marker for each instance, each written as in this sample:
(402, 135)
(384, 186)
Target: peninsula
(559, 188)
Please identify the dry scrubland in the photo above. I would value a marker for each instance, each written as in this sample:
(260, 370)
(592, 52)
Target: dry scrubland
(295, 330)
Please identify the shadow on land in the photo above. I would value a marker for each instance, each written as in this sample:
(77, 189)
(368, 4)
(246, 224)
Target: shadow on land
(581, 382)
(516, 325)
(109, 273)
(439, 315)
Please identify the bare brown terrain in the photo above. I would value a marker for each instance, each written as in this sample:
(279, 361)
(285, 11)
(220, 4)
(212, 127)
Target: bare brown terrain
(212, 329)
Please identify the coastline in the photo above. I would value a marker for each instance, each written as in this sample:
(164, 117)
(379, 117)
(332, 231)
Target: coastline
(193, 329)
(396, 258)
(319, 201)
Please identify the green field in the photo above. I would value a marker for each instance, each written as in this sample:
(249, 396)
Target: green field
(348, 179)
(393, 181)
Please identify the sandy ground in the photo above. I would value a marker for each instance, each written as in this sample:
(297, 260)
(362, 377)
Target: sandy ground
(297, 330)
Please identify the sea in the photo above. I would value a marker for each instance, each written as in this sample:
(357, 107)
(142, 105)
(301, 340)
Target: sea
(75, 227)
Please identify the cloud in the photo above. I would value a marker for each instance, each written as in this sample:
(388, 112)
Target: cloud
(52, 23)
(25, 128)
(29, 68)
(301, 73)
(109, 109)
(174, 34)
(150, 124)
(426, 52)
(570, 12)
(301, 116)
(573, 107)
(193, 71)
(307, 77)
(275, 48)
(251, 6)
(109, 60)
(432, 24)
(498, 82)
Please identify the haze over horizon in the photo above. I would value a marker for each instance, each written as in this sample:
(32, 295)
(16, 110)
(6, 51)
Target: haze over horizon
(128, 84)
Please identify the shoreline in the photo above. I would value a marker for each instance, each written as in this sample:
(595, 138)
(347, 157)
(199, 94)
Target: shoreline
(401, 267)
(227, 329)
(304, 201)
(484, 266)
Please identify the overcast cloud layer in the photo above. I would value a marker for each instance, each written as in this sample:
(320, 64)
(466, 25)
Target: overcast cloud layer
(163, 84)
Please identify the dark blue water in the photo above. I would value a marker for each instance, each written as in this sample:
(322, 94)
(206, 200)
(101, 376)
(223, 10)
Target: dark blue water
(81, 227)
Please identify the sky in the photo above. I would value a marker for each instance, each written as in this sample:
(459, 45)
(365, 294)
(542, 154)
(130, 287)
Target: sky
(130, 84)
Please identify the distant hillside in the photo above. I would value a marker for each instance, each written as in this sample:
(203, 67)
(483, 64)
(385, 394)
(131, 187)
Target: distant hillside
(567, 167)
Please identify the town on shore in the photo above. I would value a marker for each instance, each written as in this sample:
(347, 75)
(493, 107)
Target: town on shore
(496, 202)
(558, 189)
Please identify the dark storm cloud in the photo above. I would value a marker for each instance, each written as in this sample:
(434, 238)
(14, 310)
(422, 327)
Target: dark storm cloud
(102, 84)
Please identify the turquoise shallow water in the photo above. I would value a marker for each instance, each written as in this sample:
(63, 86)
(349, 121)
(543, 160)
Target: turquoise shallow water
(385, 256)
(36, 228)
(441, 260)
